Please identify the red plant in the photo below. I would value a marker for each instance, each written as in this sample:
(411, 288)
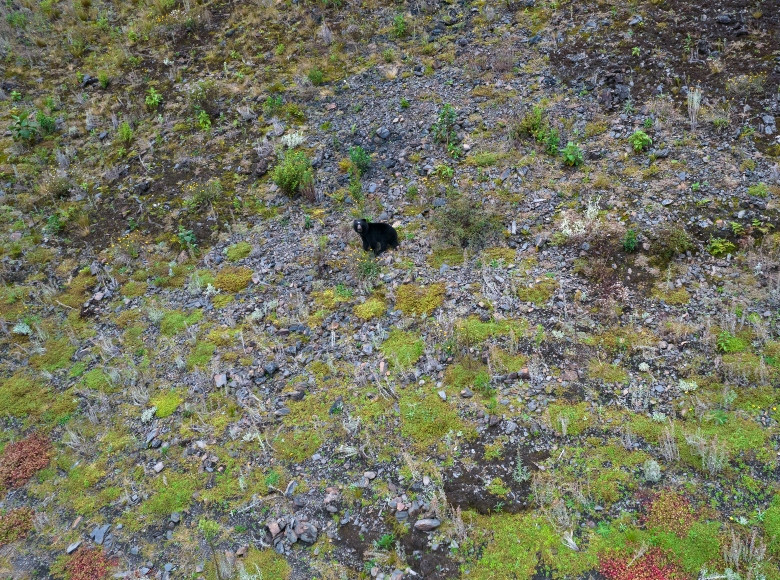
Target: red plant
(652, 565)
(88, 564)
(21, 459)
(15, 525)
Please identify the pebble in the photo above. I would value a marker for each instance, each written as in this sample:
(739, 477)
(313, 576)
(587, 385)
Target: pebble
(427, 524)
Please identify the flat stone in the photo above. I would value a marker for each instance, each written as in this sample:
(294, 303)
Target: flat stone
(99, 533)
(158, 467)
(220, 380)
(427, 524)
(383, 132)
(73, 547)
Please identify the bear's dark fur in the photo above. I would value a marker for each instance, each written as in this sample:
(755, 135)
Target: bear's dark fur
(376, 236)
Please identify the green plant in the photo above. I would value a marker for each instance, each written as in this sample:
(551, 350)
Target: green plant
(293, 174)
(16, 96)
(630, 241)
(572, 155)
(125, 132)
(210, 530)
(759, 190)
(186, 238)
(728, 343)
(405, 103)
(399, 26)
(385, 542)
(103, 79)
(46, 124)
(153, 98)
(640, 140)
(15, 525)
(22, 128)
(316, 76)
(199, 195)
(204, 121)
(648, 123)
(720, 247)
(360, 159)
(552, 140)
(272, 105)
(443, 130)
(20, 460)
(54, 224)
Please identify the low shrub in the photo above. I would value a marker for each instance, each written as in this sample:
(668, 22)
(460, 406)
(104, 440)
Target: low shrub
(293, 174)
(22, 459)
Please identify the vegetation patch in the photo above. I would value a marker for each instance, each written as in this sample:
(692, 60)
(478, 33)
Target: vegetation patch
(539, 292)
(15, 525)
(174, 321)
(401, 348)
(238, 251)
(201, 354)
(415, 300)
(57, 355)
(426, 419)
(371, 308)
(449, 256)
(20, 460)
(233, 279)
(167, 402)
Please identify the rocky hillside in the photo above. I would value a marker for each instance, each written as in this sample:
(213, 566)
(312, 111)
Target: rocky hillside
(570, 368)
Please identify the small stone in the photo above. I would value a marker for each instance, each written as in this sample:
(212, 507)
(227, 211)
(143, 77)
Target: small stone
(443, 395)
(158, 467)
(370, 475)
(73, 547)
(175, 517)
(220, 380)
(99, 533)
(427, 524)
(466, 393)
(383, 132)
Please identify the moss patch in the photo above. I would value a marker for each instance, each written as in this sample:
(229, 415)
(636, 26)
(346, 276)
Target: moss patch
(474, 331)
(449, 256)
(238, 251)
(175, 321)
(58, 354)
(412, 299)
(167, 403)
(538, 293)
(371, 308)
(403, 349)
(233, 279)
(201, 355)
(98, 380)
(609, 373)
(426, 419)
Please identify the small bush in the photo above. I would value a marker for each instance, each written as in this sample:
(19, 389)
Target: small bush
(22, 459)
(672, 240)
(199, 195)
(293, 174)
(316, 76)
(640, 140)
(399, 26)
(529, 125)
(125, 132)
(443, 130)
(572, 155)
(22, 129)
(462, 224)
(630, 242)
(153, 98)
(360, 159)
(46, 124)
(758, 190)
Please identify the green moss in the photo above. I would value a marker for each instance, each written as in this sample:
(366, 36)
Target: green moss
(673, 297)
(77, 370)
(77, 291)
(449, 256)
(21, 396)
(267, 563)
(238, 251)
(469, 373)
(538, 293)
(771, 525)
(497, 487)
(167, 403)
(412, 299)
(201, 354)
(403, 349)
(622, 339)
(371, 308)
(472, 330)
(173, 496)
(233, 279)
(297, 445)
(700, 548)
(498, 256)
(98, 380)
(609, 373)
(57, 355)
(174, 321)
(426, 419)
(133, 289)
(577, 417)
(222, 300)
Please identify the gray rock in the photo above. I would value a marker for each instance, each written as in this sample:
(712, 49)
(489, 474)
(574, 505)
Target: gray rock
(383, 132)
(427, 524)
(306, 532)
(439, 202)
(270, 368)
(637, 19)
(73, 547)
(368, 349)
(176, 517)
(99, 533)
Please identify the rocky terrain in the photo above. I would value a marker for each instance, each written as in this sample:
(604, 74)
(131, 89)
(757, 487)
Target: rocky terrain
(570, 367)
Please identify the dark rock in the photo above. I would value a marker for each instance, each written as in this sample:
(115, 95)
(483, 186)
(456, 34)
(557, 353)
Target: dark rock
(383, 132)
(306, 532)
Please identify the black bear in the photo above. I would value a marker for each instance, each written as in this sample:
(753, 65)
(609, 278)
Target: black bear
(376, 236)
